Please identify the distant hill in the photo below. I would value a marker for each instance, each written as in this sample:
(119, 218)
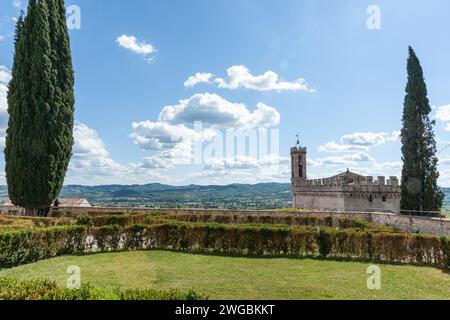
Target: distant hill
(234, 196)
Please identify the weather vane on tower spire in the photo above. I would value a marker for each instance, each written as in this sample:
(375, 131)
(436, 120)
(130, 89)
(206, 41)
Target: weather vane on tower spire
(298, 140)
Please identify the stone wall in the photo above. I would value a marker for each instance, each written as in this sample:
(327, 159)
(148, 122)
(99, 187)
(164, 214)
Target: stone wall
(434, 226)
(360, 202)
(328, 201)
(348, 201)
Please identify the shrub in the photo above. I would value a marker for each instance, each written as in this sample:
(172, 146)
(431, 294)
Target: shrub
(49, 222)
(107, 238)
(27, 246)
(11, 289)
(121, 219)
(290, 220)
(134, 294)
(325, 242)
(19, 223)
(84, 221)
(10, 224)
(353, 223)
(57, 213)
(115, 220)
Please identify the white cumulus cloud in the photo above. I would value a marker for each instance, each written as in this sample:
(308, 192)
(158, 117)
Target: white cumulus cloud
(360, 141)
(17, 3)
(91, 163)
(351, 159)
(173, 143)
(214, 110)
(173, 136)
(89, 153)
(5, 77)
(243, 169)
(239, 76)
(161, 136)
(198, 78)
(132, 44)
(364, 139)
(333, 146)
(443, 115)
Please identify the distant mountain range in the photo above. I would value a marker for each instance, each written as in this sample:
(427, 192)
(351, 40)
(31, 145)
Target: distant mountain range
(234, 196)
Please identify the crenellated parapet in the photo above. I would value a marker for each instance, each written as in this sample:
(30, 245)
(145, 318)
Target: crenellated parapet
(298, 150)
(349, 182)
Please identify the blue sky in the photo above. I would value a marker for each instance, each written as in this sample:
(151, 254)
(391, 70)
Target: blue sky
(286, 66)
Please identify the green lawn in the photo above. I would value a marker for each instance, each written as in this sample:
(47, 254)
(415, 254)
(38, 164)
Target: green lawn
(242, 278)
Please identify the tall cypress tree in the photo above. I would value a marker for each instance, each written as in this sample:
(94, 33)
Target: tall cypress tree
(420, 191)
(41, 107)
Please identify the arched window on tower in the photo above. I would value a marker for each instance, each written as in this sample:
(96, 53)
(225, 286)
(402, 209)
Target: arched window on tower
(371, 199)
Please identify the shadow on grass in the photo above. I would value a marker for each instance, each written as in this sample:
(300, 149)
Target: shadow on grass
(307, 257)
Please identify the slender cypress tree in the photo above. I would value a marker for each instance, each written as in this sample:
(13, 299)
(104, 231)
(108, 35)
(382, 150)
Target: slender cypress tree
(41, 107)
(420, 191)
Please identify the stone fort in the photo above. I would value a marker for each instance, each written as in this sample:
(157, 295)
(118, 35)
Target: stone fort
(347, 191)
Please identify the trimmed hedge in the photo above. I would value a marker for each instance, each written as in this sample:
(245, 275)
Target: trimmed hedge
(124, 219)
(21, 247)
(150, 218)
(275, 220)
(11, 289)
(16, 223)
(27, 246)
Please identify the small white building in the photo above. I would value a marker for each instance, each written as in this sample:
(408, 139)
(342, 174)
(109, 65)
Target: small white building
(74, 203)
(8, 208)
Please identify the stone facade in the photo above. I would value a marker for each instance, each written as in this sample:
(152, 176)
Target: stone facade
(347, 191)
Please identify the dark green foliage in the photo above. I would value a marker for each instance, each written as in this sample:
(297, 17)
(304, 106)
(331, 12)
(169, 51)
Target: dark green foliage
(56, 213)
(108, 238)
(325, 242)
(40, 106)
(120, 219)
(27, 246)
(11, 289)
(272, 219)
(84, 221)
(420, 191)
(140, 295)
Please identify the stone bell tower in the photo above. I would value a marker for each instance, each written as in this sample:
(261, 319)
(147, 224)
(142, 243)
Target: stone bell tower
(298, 163)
